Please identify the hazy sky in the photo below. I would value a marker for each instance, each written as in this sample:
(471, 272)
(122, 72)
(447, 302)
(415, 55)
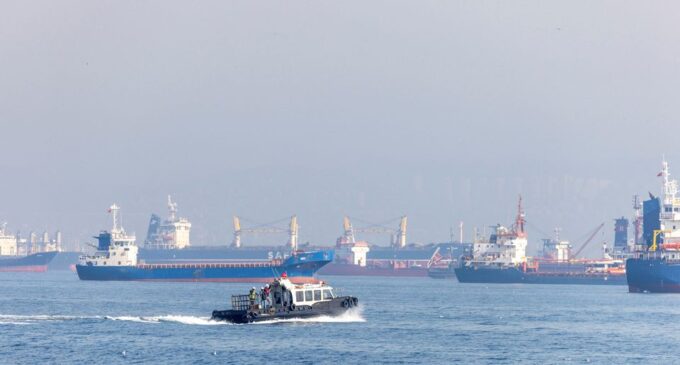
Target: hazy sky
(441, 110)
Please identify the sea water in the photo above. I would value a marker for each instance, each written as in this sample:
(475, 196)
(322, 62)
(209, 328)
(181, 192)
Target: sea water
(55, 318)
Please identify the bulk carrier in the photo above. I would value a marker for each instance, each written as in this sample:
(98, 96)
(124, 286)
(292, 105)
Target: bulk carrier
(14, 259)
(502, 259)
(358, 258)
(168, 242)
(117, 259)
(655, 267)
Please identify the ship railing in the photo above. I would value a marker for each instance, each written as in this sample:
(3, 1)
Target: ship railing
(240, 302)
(650, 255)
(205, 265)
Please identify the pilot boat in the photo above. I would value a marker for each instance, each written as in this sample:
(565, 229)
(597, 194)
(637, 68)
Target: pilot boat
(286, 300)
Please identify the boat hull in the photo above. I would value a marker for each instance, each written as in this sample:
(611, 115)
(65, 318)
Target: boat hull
(441, 273)
(514, 275)
(37, 262)
(299, 268)
(356, 270)
(652, 275)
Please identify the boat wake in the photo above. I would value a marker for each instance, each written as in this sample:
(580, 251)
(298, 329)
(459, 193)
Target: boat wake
(191, 320)
(11, 319)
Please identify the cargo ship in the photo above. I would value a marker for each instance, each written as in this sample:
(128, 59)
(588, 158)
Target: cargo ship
(14, 260)
(358, 258)
(655, 267)
(168, 241)
(117, 259)
(37, 262)
(502, 259)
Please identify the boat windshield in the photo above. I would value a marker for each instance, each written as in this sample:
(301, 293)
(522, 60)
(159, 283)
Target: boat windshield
(327, 294)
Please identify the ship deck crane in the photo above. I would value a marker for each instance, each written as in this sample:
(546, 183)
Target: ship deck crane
(590, 238)
(397, 235)
(267, 228)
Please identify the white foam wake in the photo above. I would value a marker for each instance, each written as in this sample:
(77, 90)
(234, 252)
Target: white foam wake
(191, 320)
(34, 319)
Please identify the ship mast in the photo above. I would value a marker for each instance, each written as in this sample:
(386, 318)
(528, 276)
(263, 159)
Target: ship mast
(115, 211)
(519, 221)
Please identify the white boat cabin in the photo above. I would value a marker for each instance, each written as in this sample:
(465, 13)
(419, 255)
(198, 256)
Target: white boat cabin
(306, 294)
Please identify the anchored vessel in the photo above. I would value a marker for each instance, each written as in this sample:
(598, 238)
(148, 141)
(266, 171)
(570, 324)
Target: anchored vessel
(655, 266)
(168, 242)
(13, 259)
(502, 259)
(358, 258)
(116, 259)
(286, 300)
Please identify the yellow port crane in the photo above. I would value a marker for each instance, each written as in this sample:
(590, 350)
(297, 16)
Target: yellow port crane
(397, 236)
(267, 228)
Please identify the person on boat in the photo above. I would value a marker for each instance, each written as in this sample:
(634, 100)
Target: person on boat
(287, 299)
(262, 296)
(252, 295)
(267, 298)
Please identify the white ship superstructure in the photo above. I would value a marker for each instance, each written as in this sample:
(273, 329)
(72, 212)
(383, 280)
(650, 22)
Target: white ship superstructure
(670, 210)
(172, 233)
(116, 248)
(556, 249)
(505, 246)
(8, 242)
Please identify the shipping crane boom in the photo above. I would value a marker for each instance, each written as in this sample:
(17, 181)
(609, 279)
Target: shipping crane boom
(590, 238)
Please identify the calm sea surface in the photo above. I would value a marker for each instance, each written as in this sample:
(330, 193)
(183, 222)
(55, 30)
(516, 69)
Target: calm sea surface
(55, 318)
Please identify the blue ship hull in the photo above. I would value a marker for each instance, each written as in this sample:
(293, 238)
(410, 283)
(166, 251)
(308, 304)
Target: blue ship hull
(513, 275)
(653, 275)
(300, 267)
(36, 262)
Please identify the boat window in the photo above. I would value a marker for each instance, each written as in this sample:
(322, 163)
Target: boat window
(299, 296)
(317, 294)
(327, 294)
(308, 296)
(118, 262)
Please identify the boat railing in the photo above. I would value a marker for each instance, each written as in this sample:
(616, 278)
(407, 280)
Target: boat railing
(240, 302)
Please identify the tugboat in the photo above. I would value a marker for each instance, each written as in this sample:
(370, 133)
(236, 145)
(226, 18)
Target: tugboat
(286, 300)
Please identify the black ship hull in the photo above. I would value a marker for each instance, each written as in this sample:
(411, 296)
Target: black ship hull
(334, 307)
(514, 275)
